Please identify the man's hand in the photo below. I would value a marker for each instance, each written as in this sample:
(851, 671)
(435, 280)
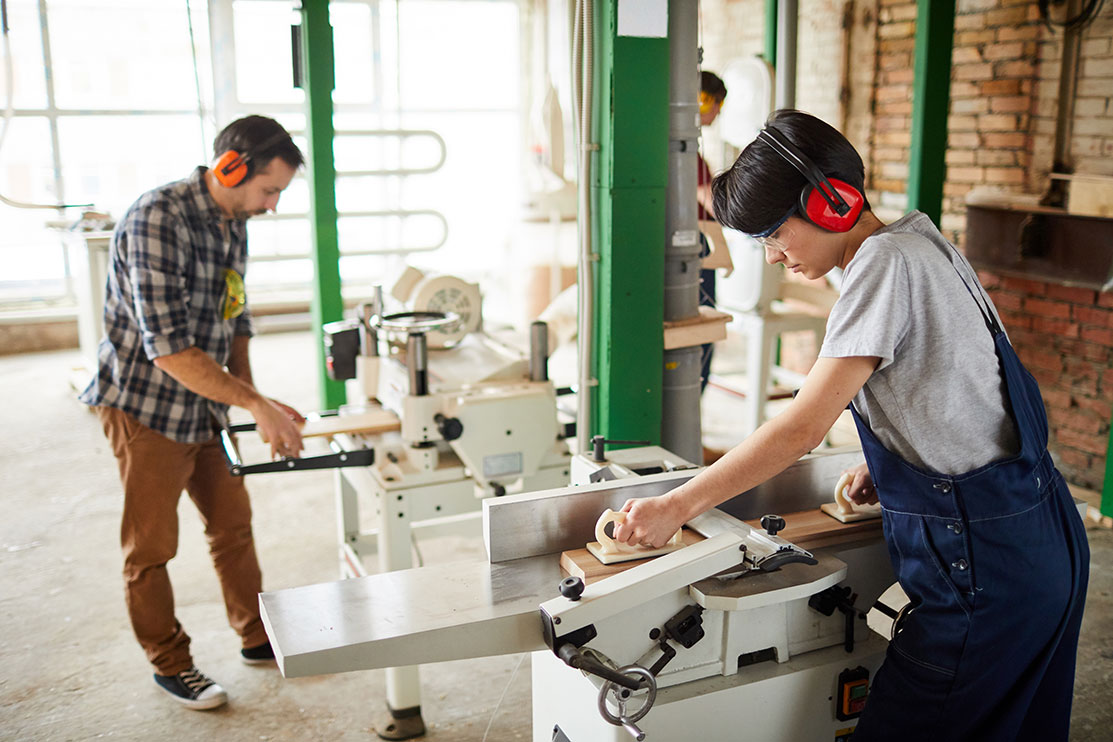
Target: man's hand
(280, 425)
(861, 491)
(650, 521)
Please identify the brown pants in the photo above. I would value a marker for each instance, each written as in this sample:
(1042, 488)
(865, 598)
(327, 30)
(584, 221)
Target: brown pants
(154, 470)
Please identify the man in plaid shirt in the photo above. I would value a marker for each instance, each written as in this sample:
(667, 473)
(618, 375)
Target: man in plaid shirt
(175, 356)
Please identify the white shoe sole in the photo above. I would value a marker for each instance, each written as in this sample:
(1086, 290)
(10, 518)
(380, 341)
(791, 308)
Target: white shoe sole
(200, 704)
(246, 661)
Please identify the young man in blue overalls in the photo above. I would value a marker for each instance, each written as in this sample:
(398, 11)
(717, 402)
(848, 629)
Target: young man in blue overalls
(982, 531)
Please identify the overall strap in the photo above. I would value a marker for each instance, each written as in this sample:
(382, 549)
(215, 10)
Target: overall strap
(983, 306)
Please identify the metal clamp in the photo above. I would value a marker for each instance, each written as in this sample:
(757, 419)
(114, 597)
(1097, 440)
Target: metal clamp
(338, 459)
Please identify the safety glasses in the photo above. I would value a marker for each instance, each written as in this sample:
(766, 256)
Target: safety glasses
(778, 241)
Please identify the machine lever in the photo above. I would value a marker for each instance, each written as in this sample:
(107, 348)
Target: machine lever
(841, 598)
(575, 658)
(667, 653)
(598, 442)
(632, 728)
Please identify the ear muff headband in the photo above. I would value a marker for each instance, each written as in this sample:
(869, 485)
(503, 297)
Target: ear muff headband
(829, 203)
(233, 168)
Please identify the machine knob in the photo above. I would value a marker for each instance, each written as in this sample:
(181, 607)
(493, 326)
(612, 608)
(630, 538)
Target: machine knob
(450, 428)
(572, 588)
(772, 524)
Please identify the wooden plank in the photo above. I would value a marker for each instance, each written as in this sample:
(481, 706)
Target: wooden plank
(583, 564)
(709, 326)
(373, 421)
(814, 529)
(808, 529)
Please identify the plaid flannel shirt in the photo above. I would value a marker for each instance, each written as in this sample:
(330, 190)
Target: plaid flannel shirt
(165, 293)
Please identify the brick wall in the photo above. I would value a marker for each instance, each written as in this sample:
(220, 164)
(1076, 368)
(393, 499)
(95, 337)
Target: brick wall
(1064, 336)
(1001, 129)
(1004, 87)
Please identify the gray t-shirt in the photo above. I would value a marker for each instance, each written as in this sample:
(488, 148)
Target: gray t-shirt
(937, 399)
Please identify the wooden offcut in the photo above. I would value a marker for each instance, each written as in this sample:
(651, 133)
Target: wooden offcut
(709, 326)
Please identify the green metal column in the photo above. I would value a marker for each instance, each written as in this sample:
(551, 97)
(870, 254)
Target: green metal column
(631, 81)
(771, 32)
(931, 94)
(318, 82)
(1107, 487)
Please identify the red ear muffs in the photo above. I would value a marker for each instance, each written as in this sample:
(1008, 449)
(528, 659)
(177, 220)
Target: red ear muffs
(817, 210)
(231, 168)
(823, 198)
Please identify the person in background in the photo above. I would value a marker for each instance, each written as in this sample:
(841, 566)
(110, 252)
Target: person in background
(711, 97)
(174, 357)
(954, 433)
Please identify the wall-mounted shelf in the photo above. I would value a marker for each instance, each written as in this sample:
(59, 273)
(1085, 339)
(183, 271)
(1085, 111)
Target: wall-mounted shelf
(1040, 242)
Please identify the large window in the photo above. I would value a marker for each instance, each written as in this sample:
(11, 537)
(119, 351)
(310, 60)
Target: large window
(114, 97)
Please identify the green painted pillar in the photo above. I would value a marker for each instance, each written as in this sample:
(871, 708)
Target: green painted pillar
(771, 32)
(630, 173)
(318, 82)
(1107, 487)
(931, 94)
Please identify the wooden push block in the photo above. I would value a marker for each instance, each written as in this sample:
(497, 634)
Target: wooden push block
(613, 557)
(609, 551)
(845, 511)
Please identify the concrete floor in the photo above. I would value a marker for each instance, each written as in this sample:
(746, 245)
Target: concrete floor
(71, 670)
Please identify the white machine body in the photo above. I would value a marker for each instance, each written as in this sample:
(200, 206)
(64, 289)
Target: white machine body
(726, 625)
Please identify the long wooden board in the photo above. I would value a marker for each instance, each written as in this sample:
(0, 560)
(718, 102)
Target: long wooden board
(373, 421)
(808, 529)
(583, 564)
(814, 529)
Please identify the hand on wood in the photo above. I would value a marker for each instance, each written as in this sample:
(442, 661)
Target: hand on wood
(650, 521)
(861, 490)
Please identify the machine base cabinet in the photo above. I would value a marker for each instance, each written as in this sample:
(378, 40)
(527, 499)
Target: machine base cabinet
(793, 701)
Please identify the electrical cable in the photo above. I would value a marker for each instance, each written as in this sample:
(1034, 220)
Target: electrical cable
(197, 82)
(9, 111)
(504, 690)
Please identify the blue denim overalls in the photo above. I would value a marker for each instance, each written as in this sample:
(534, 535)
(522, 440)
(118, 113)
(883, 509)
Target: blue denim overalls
(995, 562)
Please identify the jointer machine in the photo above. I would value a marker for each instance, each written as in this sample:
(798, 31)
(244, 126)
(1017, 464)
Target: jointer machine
(753, 630)
(441, 415)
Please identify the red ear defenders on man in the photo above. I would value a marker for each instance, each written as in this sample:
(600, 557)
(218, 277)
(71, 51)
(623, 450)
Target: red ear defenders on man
(828, 203)
(233, 168)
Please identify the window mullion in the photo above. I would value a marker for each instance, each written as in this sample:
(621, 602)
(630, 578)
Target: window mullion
(56, 156)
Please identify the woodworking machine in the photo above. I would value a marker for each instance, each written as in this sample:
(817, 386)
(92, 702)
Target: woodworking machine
(742, 634)
(475, 417)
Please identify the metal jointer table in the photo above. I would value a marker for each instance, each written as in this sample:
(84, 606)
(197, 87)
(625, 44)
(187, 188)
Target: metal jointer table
(741, 631)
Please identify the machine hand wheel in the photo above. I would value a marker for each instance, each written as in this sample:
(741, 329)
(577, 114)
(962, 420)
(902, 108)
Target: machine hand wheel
(410, 323)
(620, 696)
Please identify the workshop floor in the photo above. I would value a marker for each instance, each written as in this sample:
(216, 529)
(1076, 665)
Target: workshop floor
(71, 670)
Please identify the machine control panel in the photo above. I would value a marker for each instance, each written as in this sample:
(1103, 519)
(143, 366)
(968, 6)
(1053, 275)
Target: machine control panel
(854, 687)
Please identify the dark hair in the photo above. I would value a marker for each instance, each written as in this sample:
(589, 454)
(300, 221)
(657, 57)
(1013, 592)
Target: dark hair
(762, 186)
(713, 85)
(260, 138)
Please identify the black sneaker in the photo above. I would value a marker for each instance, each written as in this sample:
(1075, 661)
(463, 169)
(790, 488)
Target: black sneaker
(192, 689)
(259, 655)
